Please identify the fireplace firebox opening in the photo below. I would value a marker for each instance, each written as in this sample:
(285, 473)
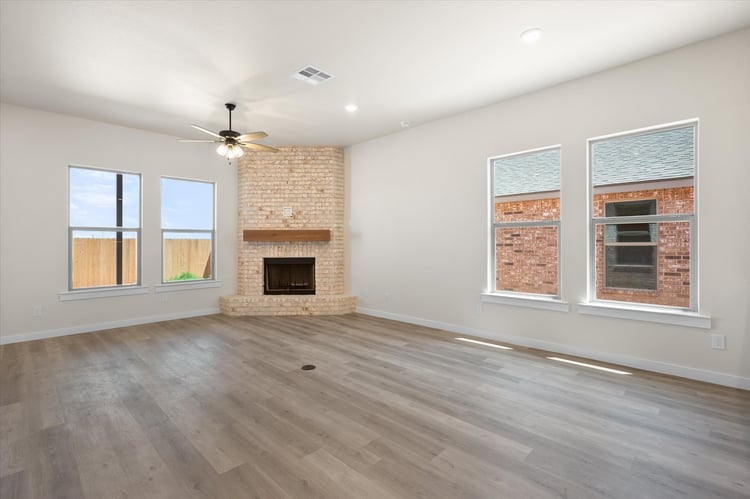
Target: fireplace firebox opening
(289, 276)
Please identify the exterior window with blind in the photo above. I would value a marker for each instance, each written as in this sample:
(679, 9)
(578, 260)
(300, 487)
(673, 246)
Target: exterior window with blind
(525, 232)
(187, 229)
(104, 228)
(643, 216)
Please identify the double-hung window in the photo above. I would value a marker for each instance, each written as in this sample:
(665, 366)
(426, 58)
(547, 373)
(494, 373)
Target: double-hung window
(187, 229)
(643, 216)
(104, 227)
(525, 231)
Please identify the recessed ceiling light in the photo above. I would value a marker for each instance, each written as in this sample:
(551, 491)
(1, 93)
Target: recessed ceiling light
(350, 108)
(405, 124)
(531, 35)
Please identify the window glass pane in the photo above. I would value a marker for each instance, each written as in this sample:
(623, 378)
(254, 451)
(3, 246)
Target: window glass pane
(94, 259)
(533, 208)
(187, 204)
(666, 199)
(537, 171)
(644, 263)
(131, 204)
(630, 208)
(93, 199)
(657, 166)
(526, 259)
(187, 256)
(527, 186)
(647, 156)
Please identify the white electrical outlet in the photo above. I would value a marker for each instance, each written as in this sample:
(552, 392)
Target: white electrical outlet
(718, 342)
(287, 211)
(36, 311)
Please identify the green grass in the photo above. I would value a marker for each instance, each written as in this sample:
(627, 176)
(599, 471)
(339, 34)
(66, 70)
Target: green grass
(185, 276)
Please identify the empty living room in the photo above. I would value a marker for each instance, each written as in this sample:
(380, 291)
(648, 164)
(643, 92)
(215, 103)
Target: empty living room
(374, 249)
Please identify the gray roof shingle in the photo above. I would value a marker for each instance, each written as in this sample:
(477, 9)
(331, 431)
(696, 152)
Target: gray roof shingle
(660, 155)
(525, 173)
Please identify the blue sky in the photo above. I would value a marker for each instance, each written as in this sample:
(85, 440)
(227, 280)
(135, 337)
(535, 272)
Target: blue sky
(185, 204)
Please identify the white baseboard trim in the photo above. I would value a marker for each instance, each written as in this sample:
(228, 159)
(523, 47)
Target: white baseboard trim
(90, 328)
(623, 360)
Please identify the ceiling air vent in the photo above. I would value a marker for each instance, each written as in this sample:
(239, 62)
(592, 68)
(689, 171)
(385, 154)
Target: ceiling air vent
(312, 75)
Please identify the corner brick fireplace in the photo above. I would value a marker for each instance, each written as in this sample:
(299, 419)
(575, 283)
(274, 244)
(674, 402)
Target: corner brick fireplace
(290, 206)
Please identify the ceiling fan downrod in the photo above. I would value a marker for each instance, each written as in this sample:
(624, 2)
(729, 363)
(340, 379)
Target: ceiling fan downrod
(231, 107)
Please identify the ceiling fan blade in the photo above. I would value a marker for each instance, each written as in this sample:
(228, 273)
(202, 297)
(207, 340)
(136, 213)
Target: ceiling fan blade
(259, 147)
(198, 140)
(249, 137)
(207, 131)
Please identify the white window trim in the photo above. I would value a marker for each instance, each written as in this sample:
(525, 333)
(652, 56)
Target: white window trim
(527, 300)
(71, 229)
(175, 285)
(530, 300)
(91, 293)
(663, 315)
(641, 311)
(186, 285)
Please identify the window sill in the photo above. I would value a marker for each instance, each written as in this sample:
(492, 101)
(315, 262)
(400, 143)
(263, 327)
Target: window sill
(636, 313)
(89, 294)
(184, 286)
(528, 301)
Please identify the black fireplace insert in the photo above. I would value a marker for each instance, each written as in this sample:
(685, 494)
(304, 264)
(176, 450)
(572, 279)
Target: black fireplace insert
(289, 276)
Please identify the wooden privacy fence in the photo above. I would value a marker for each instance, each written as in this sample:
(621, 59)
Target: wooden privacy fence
(187, 255)
(94, 260)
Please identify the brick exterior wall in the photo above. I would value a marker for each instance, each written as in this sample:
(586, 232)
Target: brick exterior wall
(673, 256)
(527, 256)
(310, 180)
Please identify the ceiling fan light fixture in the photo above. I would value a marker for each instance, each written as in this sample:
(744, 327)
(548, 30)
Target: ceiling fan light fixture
(234, 151)
(231, 142)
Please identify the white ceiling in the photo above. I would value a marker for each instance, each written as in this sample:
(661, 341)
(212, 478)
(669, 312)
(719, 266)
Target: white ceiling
(161, 66)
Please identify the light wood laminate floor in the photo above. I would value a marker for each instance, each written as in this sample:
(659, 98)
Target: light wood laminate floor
(218, 407)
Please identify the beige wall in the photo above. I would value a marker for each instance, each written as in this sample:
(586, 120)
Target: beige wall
(418, 209)
(37, 148)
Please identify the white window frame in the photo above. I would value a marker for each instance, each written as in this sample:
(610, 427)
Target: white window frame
(518, 298)
(197, 283)
(594, 305)
(114, 290)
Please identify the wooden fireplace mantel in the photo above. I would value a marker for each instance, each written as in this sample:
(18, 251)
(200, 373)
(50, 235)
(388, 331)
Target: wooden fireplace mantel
(286, 235)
